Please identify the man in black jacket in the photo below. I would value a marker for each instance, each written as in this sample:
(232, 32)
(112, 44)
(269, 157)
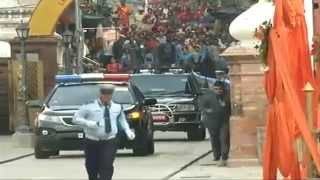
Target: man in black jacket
(216, 110)
(166, 53)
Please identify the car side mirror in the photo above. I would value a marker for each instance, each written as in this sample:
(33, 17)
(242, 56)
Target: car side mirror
(35, 103)
(149, 102)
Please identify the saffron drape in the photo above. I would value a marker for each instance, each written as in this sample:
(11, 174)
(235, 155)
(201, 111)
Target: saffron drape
(289, 70)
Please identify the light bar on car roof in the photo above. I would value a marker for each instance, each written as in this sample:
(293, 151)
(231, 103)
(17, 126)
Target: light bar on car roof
(116, 77)
(91, 77)
(68, 78)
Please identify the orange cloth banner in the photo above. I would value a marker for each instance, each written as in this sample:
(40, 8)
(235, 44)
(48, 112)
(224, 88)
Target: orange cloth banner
(289, 70)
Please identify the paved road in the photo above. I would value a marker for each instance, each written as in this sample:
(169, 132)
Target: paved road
(237, 169)
(173, 152)
(6, 150)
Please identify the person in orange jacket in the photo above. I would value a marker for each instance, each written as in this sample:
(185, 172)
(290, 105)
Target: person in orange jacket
(124, 12)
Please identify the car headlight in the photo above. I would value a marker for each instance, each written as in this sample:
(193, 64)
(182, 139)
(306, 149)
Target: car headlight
(45, 131)
(185, 107)
(45, 117)
(134, 115)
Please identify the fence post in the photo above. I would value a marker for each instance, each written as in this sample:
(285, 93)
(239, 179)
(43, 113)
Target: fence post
(308, 89)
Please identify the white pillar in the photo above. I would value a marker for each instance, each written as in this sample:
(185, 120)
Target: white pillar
(308, 5)
(243, 27)
(146, 6)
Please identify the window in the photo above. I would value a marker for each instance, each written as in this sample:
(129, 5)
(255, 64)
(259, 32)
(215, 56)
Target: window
(156, 85)
(77, 95)
(122, 96)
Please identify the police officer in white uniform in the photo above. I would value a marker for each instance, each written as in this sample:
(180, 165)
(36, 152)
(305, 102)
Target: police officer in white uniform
(99, 120)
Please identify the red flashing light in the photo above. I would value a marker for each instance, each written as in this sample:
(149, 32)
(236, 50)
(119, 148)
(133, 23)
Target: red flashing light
(116, 77)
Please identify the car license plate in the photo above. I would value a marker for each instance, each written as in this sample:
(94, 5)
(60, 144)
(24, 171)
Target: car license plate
(80, 135)
(159, 118)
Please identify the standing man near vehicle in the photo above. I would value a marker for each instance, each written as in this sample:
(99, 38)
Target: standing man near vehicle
(216, 110)
(99, 120)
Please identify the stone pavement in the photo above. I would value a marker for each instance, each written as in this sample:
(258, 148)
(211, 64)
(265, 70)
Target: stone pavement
(237, 169)
(9, 152)
(169, 157)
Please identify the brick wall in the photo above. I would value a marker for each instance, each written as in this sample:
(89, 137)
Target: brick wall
(46, 50)
(248, 101)
(43, 50)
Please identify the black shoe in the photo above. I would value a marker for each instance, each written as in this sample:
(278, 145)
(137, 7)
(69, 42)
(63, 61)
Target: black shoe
(222, 163)
(216, 159)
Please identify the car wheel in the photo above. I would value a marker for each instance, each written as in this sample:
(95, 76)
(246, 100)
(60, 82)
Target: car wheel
(141, 147)
(141, 150)
(150, 140)
(55, 153)
(39, 154)
(196, 133)
(151, 146)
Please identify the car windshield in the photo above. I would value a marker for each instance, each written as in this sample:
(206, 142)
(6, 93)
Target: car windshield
(163, 85)
(66, 97)
(122, 96)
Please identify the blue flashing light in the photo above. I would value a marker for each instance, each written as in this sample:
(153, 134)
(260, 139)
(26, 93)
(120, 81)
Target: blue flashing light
(68, 78)
(77, 78)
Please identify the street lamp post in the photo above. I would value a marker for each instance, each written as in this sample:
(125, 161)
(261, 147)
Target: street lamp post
(78, 36)
(67, 39)
(23, 34)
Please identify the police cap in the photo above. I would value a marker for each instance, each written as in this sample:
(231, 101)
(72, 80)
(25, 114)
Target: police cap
(106, 89)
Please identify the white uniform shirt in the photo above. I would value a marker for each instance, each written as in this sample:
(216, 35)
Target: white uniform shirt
(91, 118)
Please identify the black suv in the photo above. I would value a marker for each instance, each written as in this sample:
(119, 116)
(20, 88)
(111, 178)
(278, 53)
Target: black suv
(55, 130)
(177, 96)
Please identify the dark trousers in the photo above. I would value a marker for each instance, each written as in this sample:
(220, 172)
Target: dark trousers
(220, 141)
(100, 156)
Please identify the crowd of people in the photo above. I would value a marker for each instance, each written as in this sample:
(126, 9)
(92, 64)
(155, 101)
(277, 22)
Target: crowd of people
(164, 34)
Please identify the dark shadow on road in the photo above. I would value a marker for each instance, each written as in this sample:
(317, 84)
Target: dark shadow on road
(119, 155)
(171, 140)
(130, 155)
(69, 156)
(77, 156)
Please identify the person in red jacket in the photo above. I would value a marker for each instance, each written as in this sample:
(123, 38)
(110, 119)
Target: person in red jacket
(184, 15)
(114, 67)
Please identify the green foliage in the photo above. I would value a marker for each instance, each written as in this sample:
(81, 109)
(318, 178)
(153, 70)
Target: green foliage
(262, 33)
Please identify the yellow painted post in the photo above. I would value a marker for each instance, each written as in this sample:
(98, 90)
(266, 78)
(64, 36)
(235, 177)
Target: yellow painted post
(299, 149)
(308, 89)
